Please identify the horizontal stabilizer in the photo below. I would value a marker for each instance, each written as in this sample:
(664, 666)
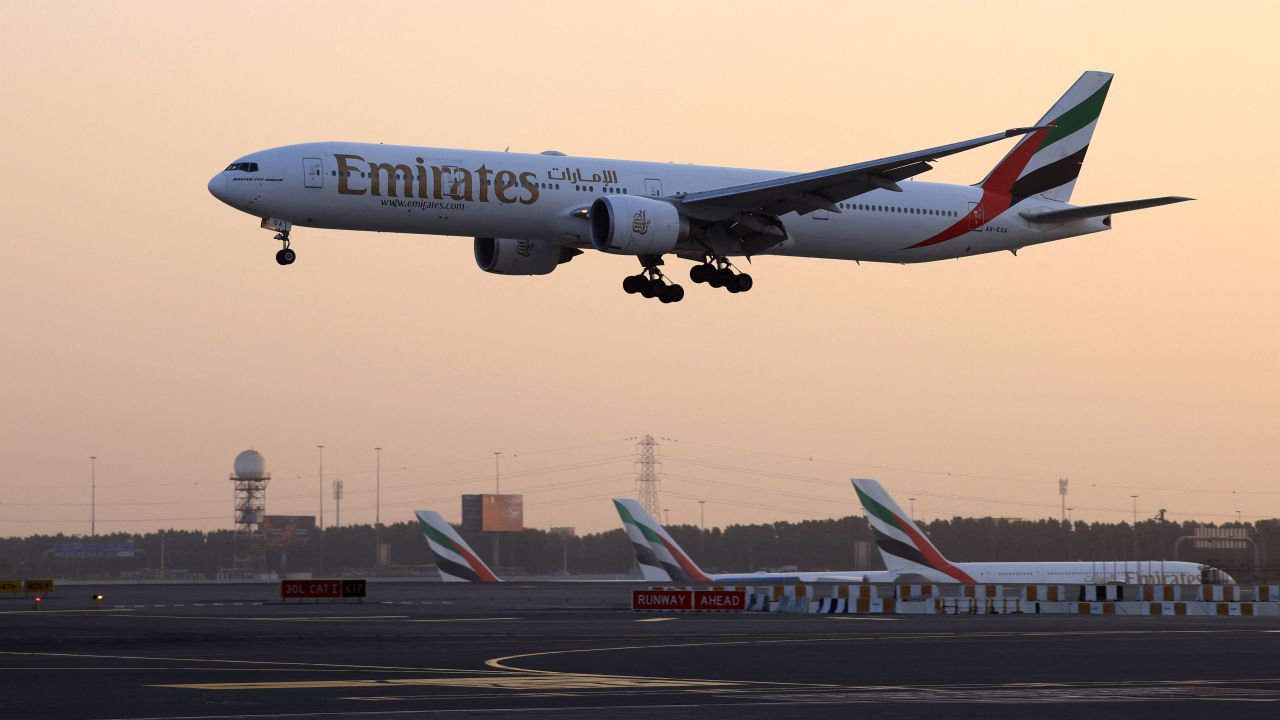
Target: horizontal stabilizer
(1091, 211)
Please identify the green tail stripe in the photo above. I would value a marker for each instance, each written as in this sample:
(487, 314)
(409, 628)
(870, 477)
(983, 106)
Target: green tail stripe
(876, 508)
(440, 538)
(1078, 116)
(649, 535)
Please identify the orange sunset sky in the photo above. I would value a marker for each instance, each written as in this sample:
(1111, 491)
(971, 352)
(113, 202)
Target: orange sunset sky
(146, 323)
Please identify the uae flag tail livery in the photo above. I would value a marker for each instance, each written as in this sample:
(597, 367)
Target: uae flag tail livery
(659, 556)
(455, 559)
(904, 548)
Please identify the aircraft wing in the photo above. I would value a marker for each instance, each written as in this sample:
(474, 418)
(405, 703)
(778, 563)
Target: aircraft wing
(1089, 211)
(821, 190)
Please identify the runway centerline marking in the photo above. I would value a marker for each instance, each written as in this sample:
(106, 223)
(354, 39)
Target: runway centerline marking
(520, 681)
(236, 662)
(654, 619)
(466, 619)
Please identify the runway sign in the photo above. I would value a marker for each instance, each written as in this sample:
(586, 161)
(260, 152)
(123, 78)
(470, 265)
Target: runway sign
(290, 589)
(354, 588)
(734, 600)
(39, 586)
(661, 599)
(11, 586)
(713, 600)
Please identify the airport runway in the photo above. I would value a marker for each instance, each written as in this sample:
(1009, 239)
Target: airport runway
(425, 649)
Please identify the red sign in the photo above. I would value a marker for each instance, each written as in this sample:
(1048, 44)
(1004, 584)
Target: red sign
(661, 599)
(310, 589)
(720, 600)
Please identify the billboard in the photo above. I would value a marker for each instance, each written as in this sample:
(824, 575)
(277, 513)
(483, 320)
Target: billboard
(493, 513)
(288, 530)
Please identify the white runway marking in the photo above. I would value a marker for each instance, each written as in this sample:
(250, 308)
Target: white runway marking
(654, 619)
(453, 620)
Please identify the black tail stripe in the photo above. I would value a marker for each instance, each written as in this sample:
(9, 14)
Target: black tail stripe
(646, 556)
(897, 548)
(449, 567)
(1058, 172)
(676, 572)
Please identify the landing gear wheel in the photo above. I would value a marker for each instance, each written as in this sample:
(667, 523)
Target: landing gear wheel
(285, 256)
(719, 278)
(739, 283)
(700, 273)
(633, 284)
(672, 294)
(650, 288)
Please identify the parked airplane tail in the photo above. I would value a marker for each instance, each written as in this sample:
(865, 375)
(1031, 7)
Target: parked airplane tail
(1047, 162)
(455, 559)
(656, 551)
(904, 548)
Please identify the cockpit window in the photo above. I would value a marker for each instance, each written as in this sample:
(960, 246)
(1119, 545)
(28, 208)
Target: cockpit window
(243, 167)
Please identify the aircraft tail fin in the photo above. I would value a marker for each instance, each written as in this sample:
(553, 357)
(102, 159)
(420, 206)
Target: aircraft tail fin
(903, 546)
(664, 555)
(1048, 161)
(455, 559)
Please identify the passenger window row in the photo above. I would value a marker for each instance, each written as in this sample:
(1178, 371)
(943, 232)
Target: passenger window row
(901, 210)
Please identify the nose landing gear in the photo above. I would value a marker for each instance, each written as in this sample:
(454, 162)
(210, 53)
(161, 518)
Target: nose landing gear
(718, 272)
(652, 283)
(285, 256)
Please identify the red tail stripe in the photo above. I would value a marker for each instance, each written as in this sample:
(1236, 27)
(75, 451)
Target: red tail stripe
(484, 572)
(685, 563)
(931, 553)
(996, 189)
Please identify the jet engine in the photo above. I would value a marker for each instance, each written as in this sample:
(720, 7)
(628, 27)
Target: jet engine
(505, 256)
(635, 225)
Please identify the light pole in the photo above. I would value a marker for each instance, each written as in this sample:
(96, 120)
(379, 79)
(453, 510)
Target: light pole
(377, 507)
(497, 473)
(667, 514)
(320, 530)
(1135, 527)
(913, 509)
(321, 447)
(93, 496)
(702, 514)
(337, 503)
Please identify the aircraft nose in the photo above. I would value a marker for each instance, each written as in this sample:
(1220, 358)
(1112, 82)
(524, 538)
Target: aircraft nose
(218, 186)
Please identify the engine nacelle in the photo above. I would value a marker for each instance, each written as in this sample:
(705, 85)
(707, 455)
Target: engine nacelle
(505, 256)
(635, 225)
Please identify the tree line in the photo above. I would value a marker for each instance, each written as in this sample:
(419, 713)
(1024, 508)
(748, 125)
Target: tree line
(835, 544)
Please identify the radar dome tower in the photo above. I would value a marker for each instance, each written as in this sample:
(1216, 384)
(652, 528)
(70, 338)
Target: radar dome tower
(250, 478)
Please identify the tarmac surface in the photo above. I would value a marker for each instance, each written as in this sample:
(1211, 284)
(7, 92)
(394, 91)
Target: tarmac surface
(571, 650)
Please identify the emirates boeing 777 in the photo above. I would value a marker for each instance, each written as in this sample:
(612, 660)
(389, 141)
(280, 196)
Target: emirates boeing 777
(531, 213)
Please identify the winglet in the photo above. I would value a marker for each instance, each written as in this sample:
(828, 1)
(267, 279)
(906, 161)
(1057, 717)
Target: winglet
(455, 559)
(667, 553)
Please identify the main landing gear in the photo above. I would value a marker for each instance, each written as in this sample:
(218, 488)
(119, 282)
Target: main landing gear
(285, 256)
(720, 273)
(652, 283)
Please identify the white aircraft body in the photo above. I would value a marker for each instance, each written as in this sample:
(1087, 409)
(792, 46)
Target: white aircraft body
(910, 555)
(530, 213)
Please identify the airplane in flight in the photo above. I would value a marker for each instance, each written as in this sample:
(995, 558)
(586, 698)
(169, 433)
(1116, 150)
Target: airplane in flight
(661, 557)
(911, 556)
(530, 213)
